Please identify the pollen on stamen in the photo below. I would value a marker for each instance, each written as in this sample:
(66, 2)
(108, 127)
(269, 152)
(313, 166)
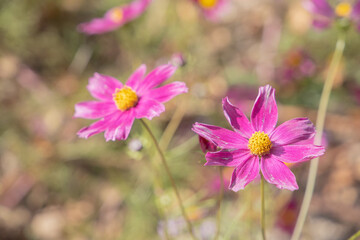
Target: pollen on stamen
(125, 98)
(259, 144)
(208, 3)
(343, 9)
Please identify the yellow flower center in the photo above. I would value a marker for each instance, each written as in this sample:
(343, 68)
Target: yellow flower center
(343, 9)
(116, 14)
(259, 143)
(125, 98)
(207, 3)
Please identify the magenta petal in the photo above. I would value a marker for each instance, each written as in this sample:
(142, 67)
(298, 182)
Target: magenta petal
(319, 7)
(206, 145)
(221, 137)
(102, 87)
(228, 158)
(167, 92)
(156, 77)
(297, 153)
(97, 127)
(237, 119)
(292, 131)
(264, 114)
(148, 108)
(120, 127)
(244, 173)
(276, 172)
(321, 23)
(97, 26)
(135, 78)
(94, 109)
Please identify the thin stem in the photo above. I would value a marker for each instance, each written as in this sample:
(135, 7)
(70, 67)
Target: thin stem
(262, 207)
(324, 100)
(221, 194)
(172, 181)
(355, 236)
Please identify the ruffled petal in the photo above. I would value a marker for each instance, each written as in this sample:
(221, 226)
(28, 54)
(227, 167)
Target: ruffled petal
(297, 153)
(136, 78)
(120, 128)
(244, 173)
(264, 114)
(98, 127)
(167, 92)
(276, 172)
(156, 77)
(102, 87)
(148, 108)
(227, 158)
(94, 109)
(221, 137)
(237, 119)
(293, 131)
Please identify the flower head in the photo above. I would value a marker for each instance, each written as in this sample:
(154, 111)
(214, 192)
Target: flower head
(119, 104)
(259, 145)
(212, 9)
(325, 14)
(115, 18)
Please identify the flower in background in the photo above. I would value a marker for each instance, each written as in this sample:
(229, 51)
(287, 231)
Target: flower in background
(119, 104)
(212, 9)
(115, 18)
(259, 145)
(297, 65)
(324, 14)
(286, 219)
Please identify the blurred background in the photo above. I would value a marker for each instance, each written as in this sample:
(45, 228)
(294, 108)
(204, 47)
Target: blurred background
(54, 185)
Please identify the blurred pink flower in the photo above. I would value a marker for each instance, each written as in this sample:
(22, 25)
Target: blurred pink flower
(259, 144)
(212, 9)
(324, 14)
(286, 219)
(115, 18)
(118, 105)
(297, 64)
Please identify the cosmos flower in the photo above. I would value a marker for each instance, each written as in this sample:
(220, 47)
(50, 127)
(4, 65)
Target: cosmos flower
(114, 18)
(212, 9)
(259, 145)
(119, 104)
(324, 14)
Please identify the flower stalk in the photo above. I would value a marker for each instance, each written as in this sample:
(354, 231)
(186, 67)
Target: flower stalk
(221, 194)
(324, 100)
(172, 181)
(262, 207)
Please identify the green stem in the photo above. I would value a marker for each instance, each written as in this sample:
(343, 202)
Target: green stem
(324, 100)
(218, 215)
(262, 207)
(355, 236)
(172, 181)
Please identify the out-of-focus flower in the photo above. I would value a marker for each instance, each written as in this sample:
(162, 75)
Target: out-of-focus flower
(259, 144)
(119, 104)
(115, 18)
(242, 96)
(297, 64)
(324, 14)
(212, 9)
(287, 216)
(178, 60)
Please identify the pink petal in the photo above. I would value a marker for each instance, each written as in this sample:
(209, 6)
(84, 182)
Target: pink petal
(292, 131)
(120, 128)
(94, 109)
(102, 87)
(148, 108)
(221, 137)
(276, 172)
(136, 77)
(321, 23)
(264, 114)
(97, 26)
(206, 145)
(156, 77)
(167, 92)
(98, 126)
(297, 153)
(319, 7)
(237, 119)
(227, 158)
(244, 173)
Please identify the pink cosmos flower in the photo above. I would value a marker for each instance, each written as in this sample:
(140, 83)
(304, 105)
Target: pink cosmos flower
(324, 14)
(115, 18)
(212, 9)
(119, 104)
(259, 144)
